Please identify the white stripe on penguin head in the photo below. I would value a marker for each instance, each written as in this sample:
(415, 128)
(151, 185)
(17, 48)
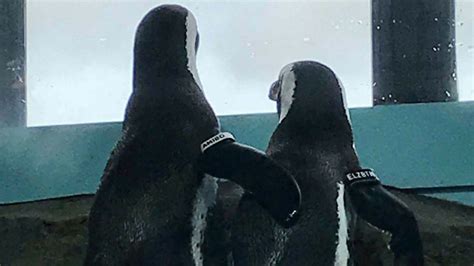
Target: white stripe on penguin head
(344, 100)
(287, 90)
(191, 35)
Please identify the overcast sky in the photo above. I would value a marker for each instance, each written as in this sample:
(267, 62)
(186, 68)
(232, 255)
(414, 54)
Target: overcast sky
(79, 53)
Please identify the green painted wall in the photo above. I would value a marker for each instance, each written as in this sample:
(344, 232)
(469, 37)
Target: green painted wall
(417, 145)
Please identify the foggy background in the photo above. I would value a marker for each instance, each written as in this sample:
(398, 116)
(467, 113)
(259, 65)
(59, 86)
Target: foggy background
(79, 53)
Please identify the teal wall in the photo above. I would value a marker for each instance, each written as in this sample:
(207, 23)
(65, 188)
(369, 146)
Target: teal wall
(417, 145)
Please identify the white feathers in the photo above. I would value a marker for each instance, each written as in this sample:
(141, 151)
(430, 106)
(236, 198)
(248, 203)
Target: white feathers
(205, 198)
(288, 78)
(342, 251)
(191, 35)
(344, 100)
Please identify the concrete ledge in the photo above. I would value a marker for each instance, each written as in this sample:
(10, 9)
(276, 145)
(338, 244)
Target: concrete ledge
(415, 145)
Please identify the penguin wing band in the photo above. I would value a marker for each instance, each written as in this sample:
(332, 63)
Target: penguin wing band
(361, 176)
(216, 139)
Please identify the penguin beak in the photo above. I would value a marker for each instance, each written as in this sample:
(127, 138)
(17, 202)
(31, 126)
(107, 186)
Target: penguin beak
(274, 91)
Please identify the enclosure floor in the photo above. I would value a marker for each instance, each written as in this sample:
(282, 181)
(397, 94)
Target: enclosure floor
(54, 232)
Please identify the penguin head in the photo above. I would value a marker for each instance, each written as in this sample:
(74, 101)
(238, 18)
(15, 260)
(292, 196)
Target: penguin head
(309, 93)
(166, 44)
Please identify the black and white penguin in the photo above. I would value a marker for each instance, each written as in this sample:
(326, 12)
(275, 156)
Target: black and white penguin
(314, 141)
(158, 185)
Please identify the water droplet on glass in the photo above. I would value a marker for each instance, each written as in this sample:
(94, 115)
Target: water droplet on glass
(447, 93)
(336, 27)
(395, 100)
(450, 45)
(249, 44)
(306, 39)
(390, 95)
(375, 83)
(360, 22)
(394, 21)
(378, 27)
(383, 98)
(404, 56)
(435, 19)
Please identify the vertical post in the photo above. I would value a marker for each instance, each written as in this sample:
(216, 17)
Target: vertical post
(12, 64)
(413, 51)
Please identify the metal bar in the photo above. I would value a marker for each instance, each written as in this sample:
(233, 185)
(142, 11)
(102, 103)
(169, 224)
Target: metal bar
(413, 51)
(12, 64)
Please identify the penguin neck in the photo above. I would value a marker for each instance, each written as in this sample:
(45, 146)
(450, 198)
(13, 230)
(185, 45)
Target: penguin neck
(319, 121)
(152, 76)
(151, 66)
(307, 147)
(191, 67)
(333, 133)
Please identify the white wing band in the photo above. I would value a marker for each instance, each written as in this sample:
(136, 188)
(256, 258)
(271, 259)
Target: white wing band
(216, 139)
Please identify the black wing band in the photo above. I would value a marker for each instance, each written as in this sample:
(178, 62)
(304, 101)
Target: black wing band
(361, 176)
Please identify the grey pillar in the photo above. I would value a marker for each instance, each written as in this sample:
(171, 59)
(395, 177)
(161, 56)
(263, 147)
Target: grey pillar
(12, 64)
(413, 51)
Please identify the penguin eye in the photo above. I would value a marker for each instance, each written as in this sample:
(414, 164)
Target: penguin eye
(196, 44)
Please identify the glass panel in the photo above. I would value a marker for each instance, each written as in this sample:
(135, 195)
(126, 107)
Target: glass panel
(465, 49)
(80, 53)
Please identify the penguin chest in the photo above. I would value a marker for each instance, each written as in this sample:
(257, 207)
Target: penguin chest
(323, 234)
(341, 257)
(205, 199)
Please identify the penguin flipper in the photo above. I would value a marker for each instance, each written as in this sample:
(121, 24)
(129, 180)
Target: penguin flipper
(271, 185)
(382, 209)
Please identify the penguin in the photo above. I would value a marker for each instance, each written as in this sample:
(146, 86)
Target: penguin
(160, 180)
(314, 141)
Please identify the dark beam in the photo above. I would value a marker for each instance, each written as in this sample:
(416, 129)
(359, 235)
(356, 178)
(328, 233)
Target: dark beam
(12, 64)
(413, 51)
